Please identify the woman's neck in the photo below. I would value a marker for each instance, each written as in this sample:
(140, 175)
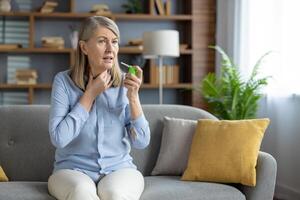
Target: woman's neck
(96, 73)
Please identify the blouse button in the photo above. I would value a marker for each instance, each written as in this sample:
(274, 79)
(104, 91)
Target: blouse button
(11, 142)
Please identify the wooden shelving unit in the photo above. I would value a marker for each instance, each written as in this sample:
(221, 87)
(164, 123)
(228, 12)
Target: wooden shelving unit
(197, 22)
(115, 16)
(37, 50)
(69, 50)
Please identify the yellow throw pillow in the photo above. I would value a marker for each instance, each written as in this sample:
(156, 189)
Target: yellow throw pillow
(225, 151)
(3, 177)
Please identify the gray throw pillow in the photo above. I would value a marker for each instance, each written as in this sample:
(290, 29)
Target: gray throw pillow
(175, 146)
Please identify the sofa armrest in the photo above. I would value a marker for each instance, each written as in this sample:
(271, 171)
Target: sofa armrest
(265, 179)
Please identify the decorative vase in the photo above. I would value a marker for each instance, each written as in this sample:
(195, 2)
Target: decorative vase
(5, 6)
(74, 39)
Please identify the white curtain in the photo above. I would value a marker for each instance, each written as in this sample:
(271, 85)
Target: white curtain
(274, 25)
(247, 29)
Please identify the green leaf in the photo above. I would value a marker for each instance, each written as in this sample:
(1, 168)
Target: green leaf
(229, 96)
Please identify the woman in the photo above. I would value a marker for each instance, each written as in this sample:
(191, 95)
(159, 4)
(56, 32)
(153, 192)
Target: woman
(95, 117)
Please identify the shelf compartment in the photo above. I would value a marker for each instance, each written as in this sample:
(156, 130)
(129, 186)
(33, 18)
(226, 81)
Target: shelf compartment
(125, 50)
(25, 86)
(70, 50)
(117, 16)
(36, 50)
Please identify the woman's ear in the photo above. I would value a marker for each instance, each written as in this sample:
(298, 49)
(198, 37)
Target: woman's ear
(82, 45)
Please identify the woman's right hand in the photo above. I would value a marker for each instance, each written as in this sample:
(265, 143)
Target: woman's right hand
(99, 84)
(95, 87)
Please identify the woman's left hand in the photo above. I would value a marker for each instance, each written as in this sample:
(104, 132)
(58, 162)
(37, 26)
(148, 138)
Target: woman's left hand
(133, 83)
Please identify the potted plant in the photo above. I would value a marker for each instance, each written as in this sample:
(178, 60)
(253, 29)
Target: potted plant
(133, 6)
(229, 96)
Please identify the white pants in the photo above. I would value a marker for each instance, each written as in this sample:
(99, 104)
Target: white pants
(123, 184)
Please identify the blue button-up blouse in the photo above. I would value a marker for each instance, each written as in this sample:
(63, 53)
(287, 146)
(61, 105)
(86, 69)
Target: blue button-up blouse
(96, 142)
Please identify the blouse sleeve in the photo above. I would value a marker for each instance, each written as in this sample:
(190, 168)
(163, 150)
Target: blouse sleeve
(65, 122)
(138, 130)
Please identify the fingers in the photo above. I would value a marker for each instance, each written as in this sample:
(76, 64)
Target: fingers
(133, 78)
(108, 81)
(139, 73)
(131, 83)
(134, 84)
(109, 84)
(90, 78)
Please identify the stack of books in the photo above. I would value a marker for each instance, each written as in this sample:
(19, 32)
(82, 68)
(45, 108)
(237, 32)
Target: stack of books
(170, 74)
(53, 42)
(101, 9)
(160, 7)
(26, 76)
(15, 63)
(14, 34)
(134, 46)
(48, 7)
(10, 46)
(23, 5)
(135, 42)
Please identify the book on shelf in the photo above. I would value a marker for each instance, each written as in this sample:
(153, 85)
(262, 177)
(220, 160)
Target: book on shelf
(99, 6)
(135, 42)
(132, 49)
(48, 6)
(170, 74)
(26, 76)
(14, 32)
(53, 42)
(101, 9)
(15, 63)
(14, 98)
(168, 7)
(102, 12)
(24, 5)
(24, 73)
(159, 7)
(10, 46)
(152, 7)
(29, 81)
(183, 47)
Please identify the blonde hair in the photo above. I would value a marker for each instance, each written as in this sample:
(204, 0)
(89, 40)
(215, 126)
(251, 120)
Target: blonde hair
(80, 70)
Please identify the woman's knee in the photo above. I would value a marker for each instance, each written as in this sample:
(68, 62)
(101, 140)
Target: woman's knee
(83, 191)
(113, 194)
(70, 184)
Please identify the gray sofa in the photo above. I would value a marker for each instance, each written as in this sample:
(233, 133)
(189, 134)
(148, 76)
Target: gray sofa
(26, 155)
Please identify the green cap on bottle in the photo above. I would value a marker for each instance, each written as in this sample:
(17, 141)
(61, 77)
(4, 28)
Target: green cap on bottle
(132, 70)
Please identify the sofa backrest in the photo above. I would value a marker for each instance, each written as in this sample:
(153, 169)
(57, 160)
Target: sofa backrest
(26, 153)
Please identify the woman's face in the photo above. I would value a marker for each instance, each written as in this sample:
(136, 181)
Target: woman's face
(101, 49)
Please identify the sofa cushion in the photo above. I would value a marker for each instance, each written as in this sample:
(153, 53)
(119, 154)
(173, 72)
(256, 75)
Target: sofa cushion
(24, 140)
(175, 146)
(145, 159)
(156, 187)
(24, 191)
(172, 188)
(3, 176)
(225, 151)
